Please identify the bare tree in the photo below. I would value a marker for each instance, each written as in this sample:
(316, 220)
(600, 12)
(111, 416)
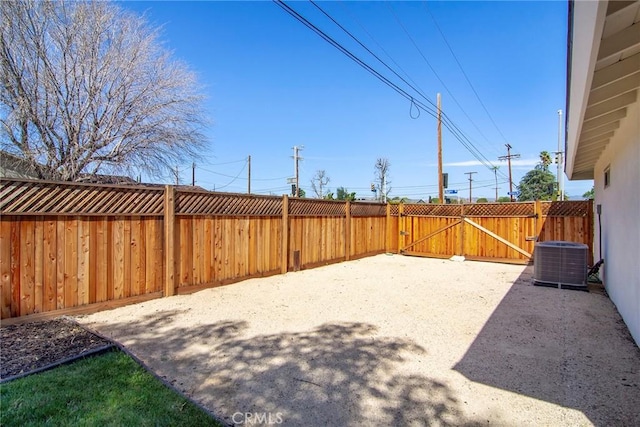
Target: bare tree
(382, 178)
(318, 183)
(86, 87)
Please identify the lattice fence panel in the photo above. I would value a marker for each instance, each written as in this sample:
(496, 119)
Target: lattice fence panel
(433, 210)
(500, 209)
(206, 203)
(308, 207)
(579, 208)
(67, 198)
(368, 209)
(394, 210)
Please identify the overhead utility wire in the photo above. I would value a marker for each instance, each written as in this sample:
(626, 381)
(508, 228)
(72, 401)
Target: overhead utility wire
(368, 50)
(464, 73)
(457, 132)
(234, 178)
(385, 80)
(355, 18)
(435, 74)
(350, 55)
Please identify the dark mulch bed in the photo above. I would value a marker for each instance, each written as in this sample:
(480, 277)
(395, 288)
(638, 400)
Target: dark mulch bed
(35, 346)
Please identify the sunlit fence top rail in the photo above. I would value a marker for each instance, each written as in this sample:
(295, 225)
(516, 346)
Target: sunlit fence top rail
(30, 197)
(206, 203)
(26, 197)
(566, 208)
(579, 208)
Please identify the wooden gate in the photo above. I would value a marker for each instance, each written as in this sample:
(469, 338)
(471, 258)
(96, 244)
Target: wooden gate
(499, 232)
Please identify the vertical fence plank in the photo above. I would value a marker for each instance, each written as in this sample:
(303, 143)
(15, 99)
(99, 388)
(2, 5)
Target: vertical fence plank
(149, 255)
(347, 231)
(118, 258)
(284, 259)
(101, 259)
(71, 263)
(60, 261)
(50, 265)
(5, 266)
(83, 260)
(169, 241)
(27, 253)
(127, 257)
(94, 248)
(38, 244)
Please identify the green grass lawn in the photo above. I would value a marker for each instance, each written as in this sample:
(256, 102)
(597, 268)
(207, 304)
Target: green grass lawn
(106, 390)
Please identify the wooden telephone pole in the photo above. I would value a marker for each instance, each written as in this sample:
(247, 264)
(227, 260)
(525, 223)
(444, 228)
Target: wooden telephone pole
(508, 157)
(440, 178)
(470, 182)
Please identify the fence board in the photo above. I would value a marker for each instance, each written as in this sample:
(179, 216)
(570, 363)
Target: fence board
(49, 265)
(5, 266)
(38, 265)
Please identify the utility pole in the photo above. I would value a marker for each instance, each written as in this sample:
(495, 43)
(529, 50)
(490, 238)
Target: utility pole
(470, 181)
(249, 175)
(296, 158)
(495, 174)
(440, 183)
(193, 174)
(560, 177)
(508, 157)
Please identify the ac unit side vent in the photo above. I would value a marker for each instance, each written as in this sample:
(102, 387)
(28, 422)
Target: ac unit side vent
(560, 264)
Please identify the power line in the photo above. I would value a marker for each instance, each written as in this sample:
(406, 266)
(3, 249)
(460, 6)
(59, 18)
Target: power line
(449, 124)
(465, 75)
(418, 90)
(431, 67)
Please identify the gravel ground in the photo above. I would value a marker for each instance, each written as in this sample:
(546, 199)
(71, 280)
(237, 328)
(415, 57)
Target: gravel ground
(391, 340)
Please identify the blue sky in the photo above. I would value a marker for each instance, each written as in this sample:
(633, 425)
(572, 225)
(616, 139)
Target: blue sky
(271, 83)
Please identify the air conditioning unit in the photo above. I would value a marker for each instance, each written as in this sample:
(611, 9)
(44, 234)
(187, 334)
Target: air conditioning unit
(560, 264)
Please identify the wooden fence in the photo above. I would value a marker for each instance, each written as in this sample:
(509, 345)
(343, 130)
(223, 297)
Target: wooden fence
(67, 245)
(504, 232)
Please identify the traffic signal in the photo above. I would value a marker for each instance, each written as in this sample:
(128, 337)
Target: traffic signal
(445, 180)
(293, 189)
(373, 187)
(557, 158)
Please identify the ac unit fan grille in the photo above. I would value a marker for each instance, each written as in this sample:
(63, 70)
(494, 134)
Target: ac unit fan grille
(561, 264)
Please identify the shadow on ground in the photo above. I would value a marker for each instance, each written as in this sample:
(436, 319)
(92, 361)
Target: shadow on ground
(335, 374)
(566, 347)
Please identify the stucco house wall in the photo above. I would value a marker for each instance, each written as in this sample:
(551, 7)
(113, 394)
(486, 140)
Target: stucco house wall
(620, 216)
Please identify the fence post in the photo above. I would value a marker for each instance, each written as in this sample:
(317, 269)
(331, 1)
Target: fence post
(401, 231)
(169, 241)
(461, 247)
(284, 244)
(388, 230)
(347, 231)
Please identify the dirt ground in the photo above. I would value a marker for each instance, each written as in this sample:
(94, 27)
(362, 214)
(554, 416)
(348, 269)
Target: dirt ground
(391, 340)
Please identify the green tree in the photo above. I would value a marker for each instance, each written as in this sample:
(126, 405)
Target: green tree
(482, 200)
(589, 194)
(504, 199)
(537, 184)
(343, 194)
